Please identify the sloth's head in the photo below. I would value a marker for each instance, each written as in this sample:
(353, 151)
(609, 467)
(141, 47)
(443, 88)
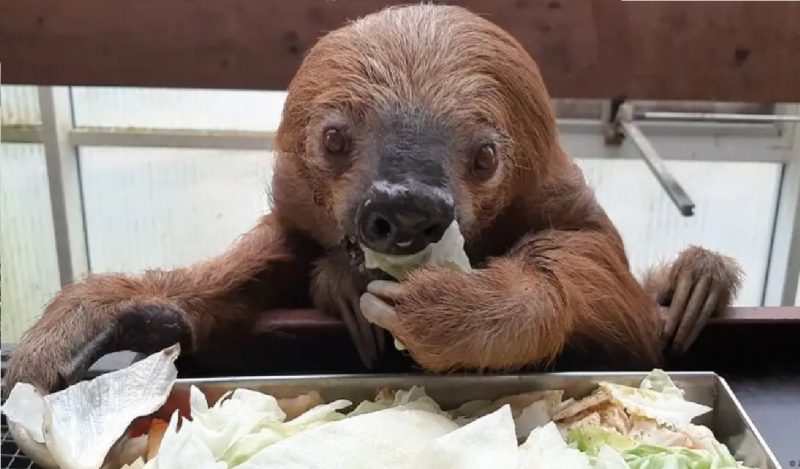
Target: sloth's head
(406, 120)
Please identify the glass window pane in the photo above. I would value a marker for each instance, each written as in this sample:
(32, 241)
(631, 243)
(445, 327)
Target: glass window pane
(166, 207)
(19, 105)
(152, 207)
(177, 108)
(29, 269)
(735, 206)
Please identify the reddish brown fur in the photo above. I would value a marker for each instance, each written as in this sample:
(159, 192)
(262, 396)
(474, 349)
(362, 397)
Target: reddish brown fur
(555, 271)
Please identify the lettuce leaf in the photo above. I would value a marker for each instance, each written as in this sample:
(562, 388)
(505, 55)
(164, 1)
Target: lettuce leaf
(489, 441)
(667, 407)
(598, 441)
(272, 432)
(545, 448)
(413, 398)
(658, 381)
(608, 458)
(591, 438)
(390, 438)
(182, 449)
(448, 251)
(658, 457)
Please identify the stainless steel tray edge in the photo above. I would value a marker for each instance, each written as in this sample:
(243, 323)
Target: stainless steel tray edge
(751, 437)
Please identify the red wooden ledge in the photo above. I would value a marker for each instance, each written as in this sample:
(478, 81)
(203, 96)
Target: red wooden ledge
(311, 319)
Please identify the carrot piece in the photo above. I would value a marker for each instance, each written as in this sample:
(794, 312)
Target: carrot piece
(154, 436)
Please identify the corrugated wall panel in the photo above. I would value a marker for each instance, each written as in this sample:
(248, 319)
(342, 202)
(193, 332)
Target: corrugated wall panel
(28, 265)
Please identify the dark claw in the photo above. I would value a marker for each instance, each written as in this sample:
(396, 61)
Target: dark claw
(365, 345)
(690, 314)
(709, 304)
(151, 328)
(69, 355)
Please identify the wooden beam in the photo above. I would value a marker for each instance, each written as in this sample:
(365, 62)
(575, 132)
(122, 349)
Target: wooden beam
(315, 322)
(726, 51)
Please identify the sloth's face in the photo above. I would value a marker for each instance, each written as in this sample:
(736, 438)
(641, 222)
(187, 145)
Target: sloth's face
(399, 124)
(400, 176)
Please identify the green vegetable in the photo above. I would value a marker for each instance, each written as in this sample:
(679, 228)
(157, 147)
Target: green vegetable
(545, 448)
(448, 252)
(655, 457)
(659, 381)
(597, 441)
(590, 438)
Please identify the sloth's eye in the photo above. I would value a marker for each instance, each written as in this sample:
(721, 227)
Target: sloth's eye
(485, 161)
(335, 141)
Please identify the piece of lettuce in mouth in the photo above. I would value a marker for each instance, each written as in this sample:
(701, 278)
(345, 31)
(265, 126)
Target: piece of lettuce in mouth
(447, 252)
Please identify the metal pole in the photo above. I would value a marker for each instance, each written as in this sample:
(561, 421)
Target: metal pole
(63, 177)
(654, 162)
(714, 117)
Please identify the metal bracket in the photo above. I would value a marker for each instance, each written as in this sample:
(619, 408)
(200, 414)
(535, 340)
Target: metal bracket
(622, 125)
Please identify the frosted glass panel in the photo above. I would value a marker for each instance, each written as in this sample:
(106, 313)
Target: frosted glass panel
(28, 266)
(177, 108)
(735, 206)
(19, 105)
(150, 207)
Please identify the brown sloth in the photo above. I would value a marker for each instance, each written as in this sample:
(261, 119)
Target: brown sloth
(395, 126)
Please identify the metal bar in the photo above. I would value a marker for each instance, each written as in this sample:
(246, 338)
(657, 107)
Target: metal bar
(101, 136)
(784, 259)
(659, 169)
(582, 138)
(21, 133)
(714, 117)
(63, 176)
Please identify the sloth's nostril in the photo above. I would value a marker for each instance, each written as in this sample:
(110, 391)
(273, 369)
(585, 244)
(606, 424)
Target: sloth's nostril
(381, 227)
(431, 230)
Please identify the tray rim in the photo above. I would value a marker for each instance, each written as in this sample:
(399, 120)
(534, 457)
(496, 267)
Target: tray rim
(465, 376)
(748, 421)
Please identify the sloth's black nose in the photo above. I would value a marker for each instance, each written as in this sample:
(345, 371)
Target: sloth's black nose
(403, 219)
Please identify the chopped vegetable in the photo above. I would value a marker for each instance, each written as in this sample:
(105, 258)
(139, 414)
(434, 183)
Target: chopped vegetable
(666, 408)
(545, 449)
(489, 441)
(389, 438)
(154, 436)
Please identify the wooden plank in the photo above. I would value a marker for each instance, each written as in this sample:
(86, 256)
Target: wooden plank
(743, 51)
(313, 321)
(758, 315)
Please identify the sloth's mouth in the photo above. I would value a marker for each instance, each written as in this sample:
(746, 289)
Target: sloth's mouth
(356, 256)
(352, 247)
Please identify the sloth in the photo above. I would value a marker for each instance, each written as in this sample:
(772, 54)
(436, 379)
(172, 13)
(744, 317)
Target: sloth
(395, 126)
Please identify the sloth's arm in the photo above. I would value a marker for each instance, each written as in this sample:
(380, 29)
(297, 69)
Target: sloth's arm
(106, 313)
(553, 288)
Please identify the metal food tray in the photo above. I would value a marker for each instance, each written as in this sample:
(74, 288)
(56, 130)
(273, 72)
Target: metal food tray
(728, 420)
